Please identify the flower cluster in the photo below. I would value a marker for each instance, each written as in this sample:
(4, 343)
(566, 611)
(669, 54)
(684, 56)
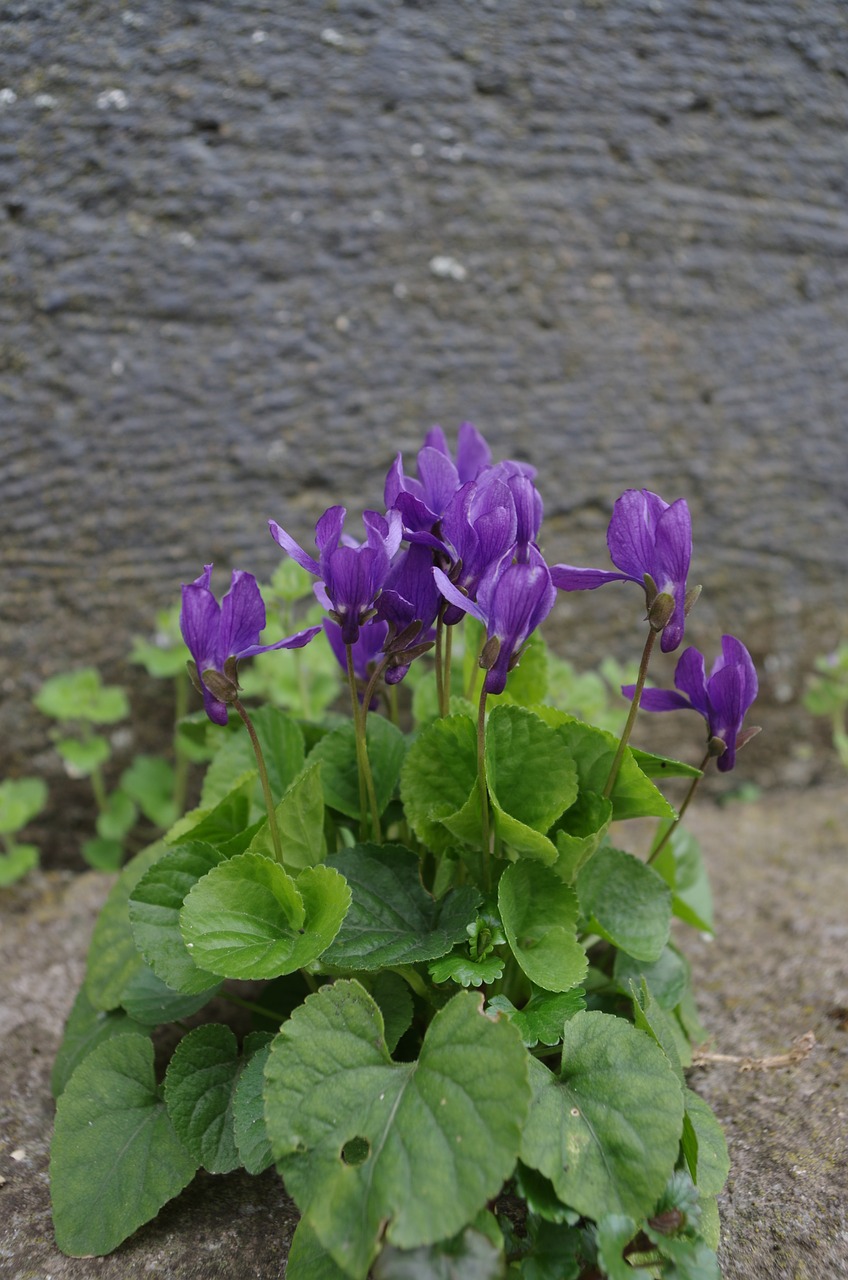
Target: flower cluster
(461, 537)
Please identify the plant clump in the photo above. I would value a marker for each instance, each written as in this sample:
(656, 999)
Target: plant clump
(464, 993)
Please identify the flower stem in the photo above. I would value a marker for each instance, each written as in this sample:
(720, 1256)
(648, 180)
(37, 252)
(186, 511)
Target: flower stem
(367, 794)
(263, 778)
(631, 718)
(440, 675)
(676, 823)
(446, 682)
(482, 784)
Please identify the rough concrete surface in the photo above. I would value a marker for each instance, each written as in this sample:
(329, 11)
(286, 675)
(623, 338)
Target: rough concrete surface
(250, 249)
(777, 968)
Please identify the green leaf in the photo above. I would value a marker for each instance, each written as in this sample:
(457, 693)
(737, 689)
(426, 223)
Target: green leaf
(606, 1132)
(615, 1231)
(339, 769)
(530, 772)
(300, 822)
(308, 1259)
(118, 818)
(85, 1029)
(626, 902)
(225, 822)
(199, 1086)
(149, 780)
(539, 915)
(115, 1157)
(516, 835)
(710, 1227)
(467, 1256)
(247, 918)
(649, 1017)
(20, 859)
(281, 739)
(330, 1081)
(438, 777)
(691, 1259)
(113, 957)
(667, 976)
(713, 1160)
(634, 795)
(81, 695)
(103, 854)
(20, 800)
(542, 1200)
(160, 661)
(392, 919)
(579, 833)
(150, 1001)
(392, 995)
(460, 968)
(544, 1015)
(680, 864)
(154, 909)
(83, 756)
(662, 766)
(556, 1254)
(528, 681)
(249, 1129)
(306, 682)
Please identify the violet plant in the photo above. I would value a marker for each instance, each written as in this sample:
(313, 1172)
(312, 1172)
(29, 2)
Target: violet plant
(464, 1040)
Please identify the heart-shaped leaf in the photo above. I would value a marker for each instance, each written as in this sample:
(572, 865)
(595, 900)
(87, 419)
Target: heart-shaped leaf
(115, 1158)
(626, 902)
(392, 919)
(113, 957)
(357, 1137)
(300, 822)
(530, 772)
(155, 905)
(281, 739)
(249, 1128)
(439, 775)
(539, 915)
(199, 1086)
(249, 919)
(85, 1029)
(634, 795)
(340, 771)
(606, 1131)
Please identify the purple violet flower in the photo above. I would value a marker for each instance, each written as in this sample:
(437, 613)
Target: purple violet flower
(479, 528)
(722, 699)
(217, 635)
(512, 600)
(351, 576)
(408, 604)
(423, 501)
(650, 541)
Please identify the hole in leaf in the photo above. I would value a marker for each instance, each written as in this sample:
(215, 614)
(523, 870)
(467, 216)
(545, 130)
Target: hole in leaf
(356, 1151)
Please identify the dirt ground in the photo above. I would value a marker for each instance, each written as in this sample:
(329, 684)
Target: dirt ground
(777, 968)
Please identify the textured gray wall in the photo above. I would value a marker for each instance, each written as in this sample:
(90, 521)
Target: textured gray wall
(222, 297)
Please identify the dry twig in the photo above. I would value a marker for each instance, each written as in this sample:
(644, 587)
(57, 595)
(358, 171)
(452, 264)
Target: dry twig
(802, 1047)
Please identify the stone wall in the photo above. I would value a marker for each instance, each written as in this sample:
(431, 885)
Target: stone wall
(251, 250)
